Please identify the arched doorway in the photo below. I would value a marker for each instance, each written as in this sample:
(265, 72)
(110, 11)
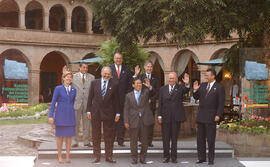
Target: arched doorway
(14, 71)
(34, 16)
(78, 20)
(219, 54)
(51, 74)
(57, 18)
(93, 68)
(9, 14)
(185, 62)
(158, 66)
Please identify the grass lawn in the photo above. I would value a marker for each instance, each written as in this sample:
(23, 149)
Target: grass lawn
(42, 120)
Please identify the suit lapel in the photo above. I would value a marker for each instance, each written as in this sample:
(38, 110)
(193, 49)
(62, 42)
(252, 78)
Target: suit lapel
(108, 89)
(99, 87)
(212, 89)
(134, 98)
(114, 72)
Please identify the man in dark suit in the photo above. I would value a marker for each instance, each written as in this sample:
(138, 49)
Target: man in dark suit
(153, 96)
(121, 74)
(103, 107)
(212, 99)
(138, 118)
(171, 113)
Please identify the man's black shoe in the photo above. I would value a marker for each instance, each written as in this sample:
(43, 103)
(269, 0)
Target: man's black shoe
(75, 145)
(210, 163)
(174, 161)
(151, 145)
(110, 160)
(200, 161)
(88, 145)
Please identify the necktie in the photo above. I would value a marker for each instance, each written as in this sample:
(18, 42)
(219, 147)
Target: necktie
(171, 90)
(103, 91)
(83, 79)
(118, 71)
(137, 97)
(207, 89)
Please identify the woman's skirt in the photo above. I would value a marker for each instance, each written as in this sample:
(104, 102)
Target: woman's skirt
(64, 131)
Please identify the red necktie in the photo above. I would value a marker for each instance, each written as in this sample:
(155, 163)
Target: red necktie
(118, 72)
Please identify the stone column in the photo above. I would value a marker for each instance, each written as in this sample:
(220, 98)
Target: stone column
(166, 76)
(68, 23)
(33, 86)
(89, 25)
(46, 19)
(22, 19)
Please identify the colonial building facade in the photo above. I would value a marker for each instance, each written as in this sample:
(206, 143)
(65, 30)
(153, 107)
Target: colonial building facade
(46, 35)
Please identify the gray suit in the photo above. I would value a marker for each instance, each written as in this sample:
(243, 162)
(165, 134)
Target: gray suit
(139, 125)
(80, 105)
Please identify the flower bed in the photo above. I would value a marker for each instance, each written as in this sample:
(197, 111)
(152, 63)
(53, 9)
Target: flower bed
(32, 112)
(248, 137)
(253, 125)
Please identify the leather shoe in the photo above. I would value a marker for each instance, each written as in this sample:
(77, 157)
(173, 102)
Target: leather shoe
(75, 145)
(150, 145)
(174, 161)
(96, 160)
(88, 145)
(142, 161)
(200, 161)
(210, 163)
(134, 161)
(110, 160)
(166, 160)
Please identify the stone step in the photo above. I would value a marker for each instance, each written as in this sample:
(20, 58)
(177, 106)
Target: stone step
(187, 149)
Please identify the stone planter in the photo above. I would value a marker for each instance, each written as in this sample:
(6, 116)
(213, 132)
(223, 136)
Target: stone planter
(246, 145)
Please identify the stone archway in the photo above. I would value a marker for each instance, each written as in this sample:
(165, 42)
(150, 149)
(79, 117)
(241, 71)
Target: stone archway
(14, 73)
(51, 73)
(9, 9)
(57, 18)
(79, 20)
(93, 68)
(158, 66)
(185, 62)
(34, 16)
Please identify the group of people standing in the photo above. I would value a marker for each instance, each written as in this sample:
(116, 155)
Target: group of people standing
(121, 100)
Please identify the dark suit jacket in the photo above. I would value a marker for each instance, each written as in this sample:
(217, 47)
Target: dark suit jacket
(124, 82)
(155, 83)
(132, 109)
(171, 106)
(64, 114)
(103, 109)
(211, 105)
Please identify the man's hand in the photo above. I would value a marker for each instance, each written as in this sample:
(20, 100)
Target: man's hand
(147, 83)
(186, 79)
(137, 70)
(217, 118)
(160, 120)
(126, 125)
(89, 116)
(196, 86)
(50, 120)
(116, 119)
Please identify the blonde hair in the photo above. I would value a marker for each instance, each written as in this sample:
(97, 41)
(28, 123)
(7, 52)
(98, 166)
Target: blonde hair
(67, 73)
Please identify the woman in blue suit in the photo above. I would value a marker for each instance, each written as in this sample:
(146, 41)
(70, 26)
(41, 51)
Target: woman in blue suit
(63, 115)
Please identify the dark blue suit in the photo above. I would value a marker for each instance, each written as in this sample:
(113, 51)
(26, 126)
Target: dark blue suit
(64, 114)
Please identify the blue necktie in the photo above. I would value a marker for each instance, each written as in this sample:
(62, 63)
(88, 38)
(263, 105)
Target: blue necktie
(137, 97)
(103, 91)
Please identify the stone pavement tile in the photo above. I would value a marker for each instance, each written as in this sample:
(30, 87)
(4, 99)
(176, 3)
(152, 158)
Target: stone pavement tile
(17, 161)
(126, 162)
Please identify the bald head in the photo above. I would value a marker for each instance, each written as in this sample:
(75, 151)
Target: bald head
(172, 78)
(106, 73)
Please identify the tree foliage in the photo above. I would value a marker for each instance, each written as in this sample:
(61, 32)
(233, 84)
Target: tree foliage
(183, 21)
(132, 55)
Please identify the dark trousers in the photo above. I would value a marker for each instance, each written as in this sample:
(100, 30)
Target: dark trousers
(119, 130)
(151, 130)
(170, 135)
(108, 137)
(206, 131)
(136, 133)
